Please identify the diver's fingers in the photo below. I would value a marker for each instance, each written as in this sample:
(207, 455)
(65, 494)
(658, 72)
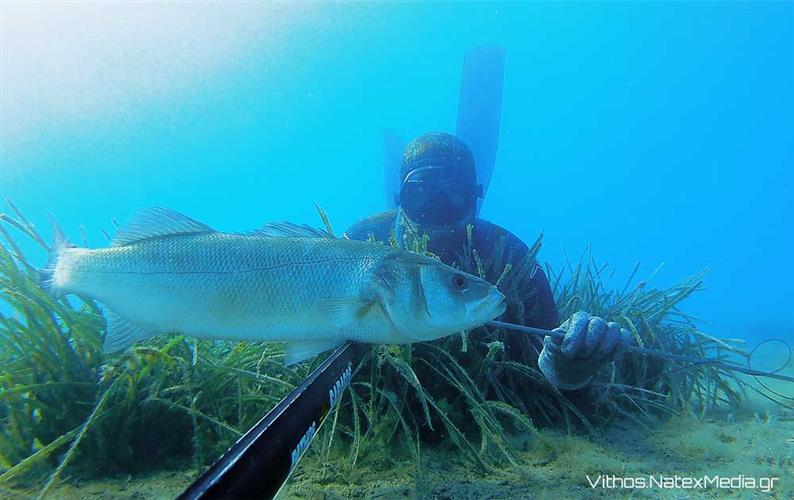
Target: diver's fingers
(551, 344)
(561, 331)
(626, 341)
(555, 338)
(596, 330)
(576, 330)
(610, 341)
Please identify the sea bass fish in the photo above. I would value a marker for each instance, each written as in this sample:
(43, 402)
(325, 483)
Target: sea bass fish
(165, 272)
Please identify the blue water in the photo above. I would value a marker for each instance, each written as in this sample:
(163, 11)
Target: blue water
(657, 133)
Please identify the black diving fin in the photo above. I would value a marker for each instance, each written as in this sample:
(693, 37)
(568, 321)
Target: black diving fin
(478, 121)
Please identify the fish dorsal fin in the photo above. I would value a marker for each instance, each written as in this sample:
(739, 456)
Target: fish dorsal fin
(290, 230)
(156, 223)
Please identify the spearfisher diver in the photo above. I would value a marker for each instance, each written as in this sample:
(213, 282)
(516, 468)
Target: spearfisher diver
(438, 197)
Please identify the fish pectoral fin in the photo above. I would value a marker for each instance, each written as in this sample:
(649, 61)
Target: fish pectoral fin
(305, 349)
(341, 312)
(120, 333)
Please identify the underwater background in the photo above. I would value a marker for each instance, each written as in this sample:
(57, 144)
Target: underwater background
(655, 133)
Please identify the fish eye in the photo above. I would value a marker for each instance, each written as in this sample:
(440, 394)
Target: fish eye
(459, 281)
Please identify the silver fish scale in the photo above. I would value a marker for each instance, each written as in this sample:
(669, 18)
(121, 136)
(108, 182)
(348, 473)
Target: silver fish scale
(229, 285)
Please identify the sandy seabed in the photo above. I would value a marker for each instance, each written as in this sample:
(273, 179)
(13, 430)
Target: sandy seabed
(551, 465)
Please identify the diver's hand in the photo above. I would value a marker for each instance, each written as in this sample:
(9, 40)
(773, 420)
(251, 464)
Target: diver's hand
(589, 343)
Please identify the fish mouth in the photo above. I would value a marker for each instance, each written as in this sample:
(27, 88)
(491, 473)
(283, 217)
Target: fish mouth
(491, 306)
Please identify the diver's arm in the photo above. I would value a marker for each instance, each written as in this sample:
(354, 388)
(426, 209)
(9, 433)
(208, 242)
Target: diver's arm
(541, 311)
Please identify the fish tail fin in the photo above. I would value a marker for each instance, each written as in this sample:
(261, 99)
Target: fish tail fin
(59, 243)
